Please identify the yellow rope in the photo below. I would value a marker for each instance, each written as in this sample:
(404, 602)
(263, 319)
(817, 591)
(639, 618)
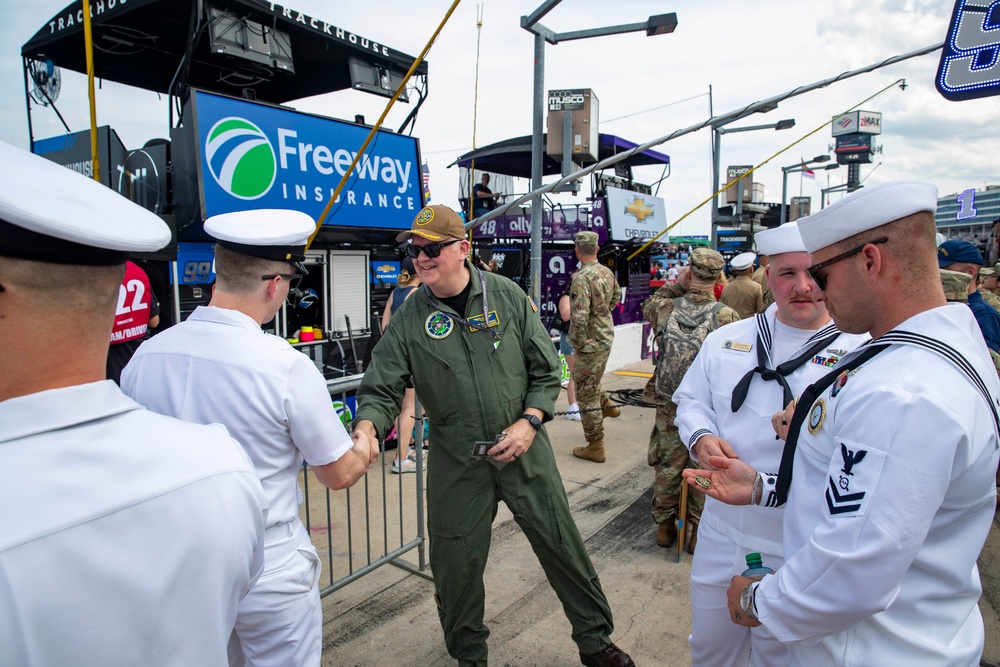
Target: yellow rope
(730, 183)
(88, 40)
(378, 124)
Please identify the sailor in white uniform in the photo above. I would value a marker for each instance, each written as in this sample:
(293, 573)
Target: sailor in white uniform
(218, 366)
(890, 460)
(744, 373)
(126, 537)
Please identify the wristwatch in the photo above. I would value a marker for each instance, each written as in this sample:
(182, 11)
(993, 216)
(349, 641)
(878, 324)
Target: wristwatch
(535, 422)
(747, 600)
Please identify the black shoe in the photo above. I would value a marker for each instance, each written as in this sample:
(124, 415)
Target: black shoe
(609, 656)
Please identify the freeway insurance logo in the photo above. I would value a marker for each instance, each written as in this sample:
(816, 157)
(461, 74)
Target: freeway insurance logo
(241, 158)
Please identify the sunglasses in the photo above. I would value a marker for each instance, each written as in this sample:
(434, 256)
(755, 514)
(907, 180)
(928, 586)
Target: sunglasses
(815, 269)
(293, 278)
(431, 249)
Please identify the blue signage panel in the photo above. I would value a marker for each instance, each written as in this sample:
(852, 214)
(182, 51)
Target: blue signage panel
(256, 156)
(970, 59)
(195, 264)
(385, 272)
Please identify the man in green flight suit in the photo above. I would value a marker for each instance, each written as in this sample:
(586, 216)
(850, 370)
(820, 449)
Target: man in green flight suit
(482, 364)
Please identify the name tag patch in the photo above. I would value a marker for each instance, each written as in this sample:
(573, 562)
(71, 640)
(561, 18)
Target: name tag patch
(494, 320)
(737, 345)
(853, 475)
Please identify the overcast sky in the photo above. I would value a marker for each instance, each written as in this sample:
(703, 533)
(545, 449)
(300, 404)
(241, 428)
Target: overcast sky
(745, 51)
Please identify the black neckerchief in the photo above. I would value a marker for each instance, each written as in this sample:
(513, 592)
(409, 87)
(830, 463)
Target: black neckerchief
(492, 331)
(802, 410)
(783, 370)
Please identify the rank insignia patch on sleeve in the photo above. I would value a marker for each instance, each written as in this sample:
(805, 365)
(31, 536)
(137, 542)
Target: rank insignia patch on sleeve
(853, 476)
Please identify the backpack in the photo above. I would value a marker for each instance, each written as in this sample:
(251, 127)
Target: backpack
(679, 341)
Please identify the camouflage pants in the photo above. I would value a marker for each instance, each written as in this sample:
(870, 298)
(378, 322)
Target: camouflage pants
(668, 456)
(587, 374)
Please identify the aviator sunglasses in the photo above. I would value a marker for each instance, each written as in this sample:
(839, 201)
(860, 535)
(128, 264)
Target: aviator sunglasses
(815, 269)
(431, 249)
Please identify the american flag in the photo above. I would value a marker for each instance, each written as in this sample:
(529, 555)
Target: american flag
(427, 182)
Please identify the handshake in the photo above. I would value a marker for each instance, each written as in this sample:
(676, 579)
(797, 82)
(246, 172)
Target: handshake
(366, 444)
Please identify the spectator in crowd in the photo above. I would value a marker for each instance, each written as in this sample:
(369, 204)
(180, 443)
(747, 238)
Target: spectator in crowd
(137, 312)
(406, 287)
(962, 256)
(743, 294)
(483, 199)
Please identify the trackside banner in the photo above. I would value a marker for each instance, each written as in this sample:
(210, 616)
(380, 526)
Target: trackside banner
(256, 156)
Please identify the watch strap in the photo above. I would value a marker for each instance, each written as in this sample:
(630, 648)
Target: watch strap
(535, 422)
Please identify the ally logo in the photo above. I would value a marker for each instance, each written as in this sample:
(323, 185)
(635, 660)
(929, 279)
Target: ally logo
(240, 158)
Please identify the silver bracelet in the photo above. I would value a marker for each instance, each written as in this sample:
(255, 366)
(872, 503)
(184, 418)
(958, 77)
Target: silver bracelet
(753, 490)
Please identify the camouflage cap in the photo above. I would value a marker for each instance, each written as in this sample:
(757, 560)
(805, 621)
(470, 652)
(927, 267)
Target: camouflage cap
(706, 264)
(955, 284)
(587, 242)
(987, 271)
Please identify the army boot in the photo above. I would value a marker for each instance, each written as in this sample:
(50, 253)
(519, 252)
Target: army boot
(594, 451)
(609, 409)
(666, 534)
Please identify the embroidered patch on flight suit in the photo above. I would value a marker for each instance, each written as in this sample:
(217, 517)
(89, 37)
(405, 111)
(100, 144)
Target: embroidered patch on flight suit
(478, 319)
(853, 475)
(438, 325)
(533, 306)
(817, 415)
(737, 345)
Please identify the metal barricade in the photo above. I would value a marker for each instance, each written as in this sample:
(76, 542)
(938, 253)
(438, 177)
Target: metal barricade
(373, 523)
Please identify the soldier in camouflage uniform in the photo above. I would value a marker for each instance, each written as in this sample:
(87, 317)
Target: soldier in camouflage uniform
(760, 277)
(988, 286)
(667, 454)
(594, 292)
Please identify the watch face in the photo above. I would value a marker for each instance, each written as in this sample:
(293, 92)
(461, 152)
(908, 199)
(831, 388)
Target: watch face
(746, 600)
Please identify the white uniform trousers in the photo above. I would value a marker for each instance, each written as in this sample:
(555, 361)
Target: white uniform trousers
(280, 621)
(715, 640)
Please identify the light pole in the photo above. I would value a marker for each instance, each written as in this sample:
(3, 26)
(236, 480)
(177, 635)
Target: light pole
(660, 24)
(795, 168)
(717, 132)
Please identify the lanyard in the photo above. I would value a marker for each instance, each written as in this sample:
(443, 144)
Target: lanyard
(492, 331)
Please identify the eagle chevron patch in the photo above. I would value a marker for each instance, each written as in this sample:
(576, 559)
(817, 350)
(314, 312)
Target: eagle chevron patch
(853, 475)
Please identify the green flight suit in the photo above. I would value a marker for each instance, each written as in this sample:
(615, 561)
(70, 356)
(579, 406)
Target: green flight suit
(471, 390)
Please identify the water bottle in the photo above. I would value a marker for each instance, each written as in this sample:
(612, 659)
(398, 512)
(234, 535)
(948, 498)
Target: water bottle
(756, 567)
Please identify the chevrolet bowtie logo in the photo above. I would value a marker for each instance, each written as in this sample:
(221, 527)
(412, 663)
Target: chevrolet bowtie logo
(639, 208)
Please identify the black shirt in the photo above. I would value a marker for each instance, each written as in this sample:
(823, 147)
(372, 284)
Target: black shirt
(460, 300)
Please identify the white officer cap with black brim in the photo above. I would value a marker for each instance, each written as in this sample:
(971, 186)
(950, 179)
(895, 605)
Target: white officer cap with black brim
(268, 233)
(49, 213)
(866, 209)
(742, 261)
(779, 240)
